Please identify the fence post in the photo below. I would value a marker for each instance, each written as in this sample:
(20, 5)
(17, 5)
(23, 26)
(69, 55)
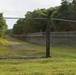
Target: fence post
(48, 35)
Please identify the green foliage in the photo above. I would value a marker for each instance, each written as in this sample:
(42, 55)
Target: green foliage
(3, 26)
(62, 12)
(18, 27)
(24, 26)
(67, 10)
(73, 9)
(42, 66)
(9, 32)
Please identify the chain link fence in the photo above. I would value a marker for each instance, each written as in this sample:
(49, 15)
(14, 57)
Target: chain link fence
(62, 41)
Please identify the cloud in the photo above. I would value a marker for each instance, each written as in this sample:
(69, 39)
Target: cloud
(26, 5)
(11, 7)
(20, 7)
(5, 5)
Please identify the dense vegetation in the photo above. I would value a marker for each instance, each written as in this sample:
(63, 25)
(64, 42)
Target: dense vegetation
(66, 10)
(3, 26)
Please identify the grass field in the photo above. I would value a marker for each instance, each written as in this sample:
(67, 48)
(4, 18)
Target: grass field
(41, 66)
(15, 48)
(63, 61)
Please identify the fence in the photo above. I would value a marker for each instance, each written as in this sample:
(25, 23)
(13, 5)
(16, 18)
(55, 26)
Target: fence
(62, 44)
(68, 38)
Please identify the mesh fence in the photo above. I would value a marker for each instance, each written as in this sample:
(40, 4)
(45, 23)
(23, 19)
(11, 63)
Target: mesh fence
(63, 41)
(33, 45)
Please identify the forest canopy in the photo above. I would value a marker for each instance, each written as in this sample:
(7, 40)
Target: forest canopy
(67, 11)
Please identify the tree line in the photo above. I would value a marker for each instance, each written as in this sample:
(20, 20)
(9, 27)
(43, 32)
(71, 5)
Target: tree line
(67, 10)
(3, 26)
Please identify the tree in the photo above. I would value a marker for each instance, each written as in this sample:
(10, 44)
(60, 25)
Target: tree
(18, 27)
(63, 12)
(73, 9)
(3, 26)
(24, 26)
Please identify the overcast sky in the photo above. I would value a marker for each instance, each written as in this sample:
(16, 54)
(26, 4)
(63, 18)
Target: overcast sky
(18, 8)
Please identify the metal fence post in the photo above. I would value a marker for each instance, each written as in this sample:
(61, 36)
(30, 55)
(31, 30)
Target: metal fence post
(48, 35)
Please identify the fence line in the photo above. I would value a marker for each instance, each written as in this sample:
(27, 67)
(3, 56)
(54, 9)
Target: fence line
(52, 34)
(63, 20)
(40, 19)
(57, 38)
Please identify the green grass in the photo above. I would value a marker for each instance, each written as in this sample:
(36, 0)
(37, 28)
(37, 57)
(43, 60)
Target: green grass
(64, 51)
(30, 50)
(63, 61)
(43, 66)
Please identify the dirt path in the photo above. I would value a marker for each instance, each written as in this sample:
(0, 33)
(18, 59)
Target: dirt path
(20, 46)
(17, 44)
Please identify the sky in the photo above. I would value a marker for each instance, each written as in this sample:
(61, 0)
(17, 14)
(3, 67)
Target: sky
(18, 8)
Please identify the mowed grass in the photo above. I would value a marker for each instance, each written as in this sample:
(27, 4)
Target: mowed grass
(40, 66)
(63, 61)
(64, 51)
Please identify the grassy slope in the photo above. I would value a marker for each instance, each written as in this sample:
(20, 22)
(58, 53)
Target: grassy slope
(29, 49)
(33, 50)
(62, 63)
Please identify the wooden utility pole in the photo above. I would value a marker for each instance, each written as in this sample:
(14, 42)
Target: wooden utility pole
(48, 35)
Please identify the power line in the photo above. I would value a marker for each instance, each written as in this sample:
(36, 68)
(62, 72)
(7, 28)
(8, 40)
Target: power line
(25, 18)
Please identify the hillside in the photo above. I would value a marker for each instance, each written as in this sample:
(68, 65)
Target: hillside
(12, 47)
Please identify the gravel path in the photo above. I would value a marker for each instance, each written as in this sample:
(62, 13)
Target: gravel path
(15, 44)
(20, 46)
